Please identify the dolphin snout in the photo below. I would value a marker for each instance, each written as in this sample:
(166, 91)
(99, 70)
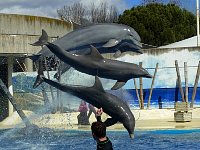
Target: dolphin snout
(139, 51)
(149, 76)
(131, 136)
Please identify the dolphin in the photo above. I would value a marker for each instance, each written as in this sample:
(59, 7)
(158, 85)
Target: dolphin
(116, 108)
(65, 67)
(95, 64)
(107, 37)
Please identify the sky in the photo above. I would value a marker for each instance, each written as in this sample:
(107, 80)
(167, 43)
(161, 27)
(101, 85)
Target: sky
(48, 8)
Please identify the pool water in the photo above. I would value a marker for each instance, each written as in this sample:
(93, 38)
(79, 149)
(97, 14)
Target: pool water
(82, 140)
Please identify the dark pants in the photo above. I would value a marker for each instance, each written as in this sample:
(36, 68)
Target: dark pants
(83, 119)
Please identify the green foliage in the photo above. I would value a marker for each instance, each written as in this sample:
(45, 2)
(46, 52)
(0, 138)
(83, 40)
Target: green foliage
(159, 24)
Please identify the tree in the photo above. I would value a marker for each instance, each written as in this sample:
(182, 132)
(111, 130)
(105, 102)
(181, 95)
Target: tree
(176, 2)
(159, 24)
(72, 13)
(96, 14)
(146, 2)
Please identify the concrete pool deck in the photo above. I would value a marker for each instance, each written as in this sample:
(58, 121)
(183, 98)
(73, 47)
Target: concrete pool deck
(145, 120)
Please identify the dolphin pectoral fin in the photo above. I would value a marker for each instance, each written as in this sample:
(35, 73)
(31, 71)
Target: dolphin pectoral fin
(117, 54)
(118, 85)
(110, 122)
(42, 40)
(111, 43)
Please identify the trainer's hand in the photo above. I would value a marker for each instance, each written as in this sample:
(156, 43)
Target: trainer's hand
(99, 112)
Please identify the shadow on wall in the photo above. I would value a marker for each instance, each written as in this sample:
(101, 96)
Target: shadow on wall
(3, 100)
(3, 106)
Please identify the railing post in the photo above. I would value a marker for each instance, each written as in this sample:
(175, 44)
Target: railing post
(179, 80)
(186, 81)
(136, 90)
(141, 90)
(152, 84)
(195, 86)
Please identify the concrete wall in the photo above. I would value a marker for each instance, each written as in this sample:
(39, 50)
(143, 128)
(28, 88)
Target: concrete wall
(16, 31)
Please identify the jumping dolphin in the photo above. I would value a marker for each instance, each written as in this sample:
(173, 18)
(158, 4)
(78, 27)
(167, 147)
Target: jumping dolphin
(107, 37)
(95, 64)
(116, 108)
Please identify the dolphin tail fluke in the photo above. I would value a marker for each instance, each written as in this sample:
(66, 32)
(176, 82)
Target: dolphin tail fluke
(42, 40)
(40, 75)
(118, 85)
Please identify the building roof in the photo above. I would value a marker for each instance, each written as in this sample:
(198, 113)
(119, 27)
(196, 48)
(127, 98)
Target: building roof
(190, 42)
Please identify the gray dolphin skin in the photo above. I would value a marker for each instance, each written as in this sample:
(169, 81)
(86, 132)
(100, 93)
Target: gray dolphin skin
(107, 37)
(116, 108)
(95, 64)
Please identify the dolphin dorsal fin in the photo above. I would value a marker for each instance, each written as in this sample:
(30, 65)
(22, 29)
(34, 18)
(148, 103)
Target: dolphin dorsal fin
(95, 53)
(98, 85)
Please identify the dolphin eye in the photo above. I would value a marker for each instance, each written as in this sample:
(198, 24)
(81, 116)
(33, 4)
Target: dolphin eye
(130, 35)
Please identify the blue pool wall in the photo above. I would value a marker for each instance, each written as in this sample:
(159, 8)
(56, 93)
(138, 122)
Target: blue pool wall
(164, 85)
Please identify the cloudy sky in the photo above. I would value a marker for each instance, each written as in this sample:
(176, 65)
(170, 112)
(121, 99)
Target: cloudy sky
(49, 7)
